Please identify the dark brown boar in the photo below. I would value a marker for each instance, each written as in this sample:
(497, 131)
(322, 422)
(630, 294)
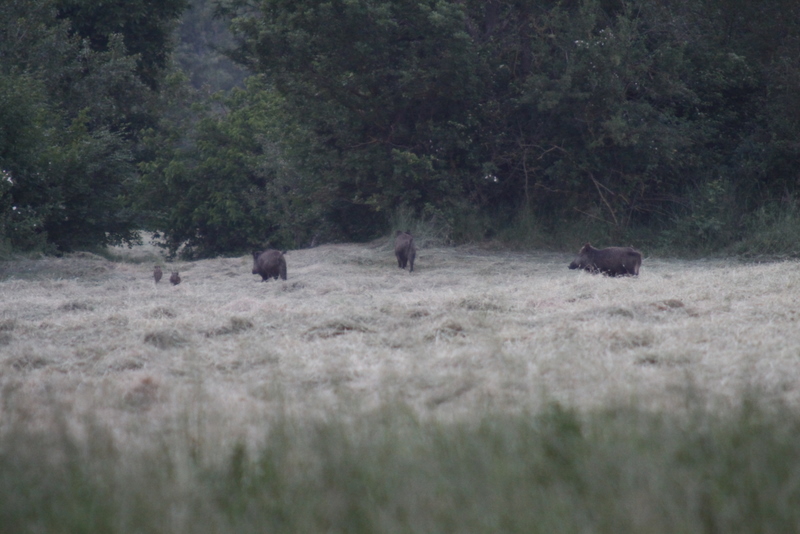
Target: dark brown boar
(612, 261)
(175, 278)
(269, 264)
(405, 250)
(157, 273)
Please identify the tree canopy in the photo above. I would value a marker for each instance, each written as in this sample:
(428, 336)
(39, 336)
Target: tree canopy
(677, 120)
(76, 90)
(623, 112)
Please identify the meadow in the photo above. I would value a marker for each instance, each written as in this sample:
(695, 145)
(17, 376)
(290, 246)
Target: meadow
(488, 391)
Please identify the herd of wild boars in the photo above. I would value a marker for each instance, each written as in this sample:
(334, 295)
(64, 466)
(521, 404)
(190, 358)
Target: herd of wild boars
(611, 261)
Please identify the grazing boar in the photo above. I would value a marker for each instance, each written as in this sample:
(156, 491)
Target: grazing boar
(175, 279)
(612, 261)
(405, 250)
(269, 264)
(157, 273)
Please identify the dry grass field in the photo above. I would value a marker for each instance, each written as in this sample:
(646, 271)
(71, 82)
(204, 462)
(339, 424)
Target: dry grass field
(488, 391)
(471, 330)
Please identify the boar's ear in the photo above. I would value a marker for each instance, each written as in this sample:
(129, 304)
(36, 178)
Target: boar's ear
(256, 254)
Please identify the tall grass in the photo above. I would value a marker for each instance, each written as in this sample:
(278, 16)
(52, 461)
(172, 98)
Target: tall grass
(614, 471)
(429, 229)
(711, 223)
(772, 231)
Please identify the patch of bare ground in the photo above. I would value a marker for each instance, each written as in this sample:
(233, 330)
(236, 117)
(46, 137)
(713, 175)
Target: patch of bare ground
(470, 330)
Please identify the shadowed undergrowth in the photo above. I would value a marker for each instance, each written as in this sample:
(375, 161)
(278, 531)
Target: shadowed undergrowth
(621, 470)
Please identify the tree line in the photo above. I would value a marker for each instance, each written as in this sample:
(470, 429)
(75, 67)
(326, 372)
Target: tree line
(676, 122)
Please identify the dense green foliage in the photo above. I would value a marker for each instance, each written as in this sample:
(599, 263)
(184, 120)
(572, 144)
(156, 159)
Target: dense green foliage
(145, 27)
(202, 40)
(76, 90)
(230, 188)
(622, 471)
(673, 122)
(636, 113)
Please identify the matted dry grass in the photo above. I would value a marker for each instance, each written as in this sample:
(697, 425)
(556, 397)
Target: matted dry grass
(471, 330)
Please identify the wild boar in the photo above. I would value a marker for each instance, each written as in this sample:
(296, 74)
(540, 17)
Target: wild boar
(405, 250)
(157, 273)
(612, 261)
(269, 264)
(175, 278)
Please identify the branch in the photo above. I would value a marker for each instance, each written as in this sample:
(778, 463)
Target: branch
(602, 196)
(592, 216)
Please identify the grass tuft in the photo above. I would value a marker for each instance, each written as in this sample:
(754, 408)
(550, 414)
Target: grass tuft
(165, 339)
(335, 328)
(76, 306)
(235, 326)
(162, 312)
(28, 362)
(771, 232)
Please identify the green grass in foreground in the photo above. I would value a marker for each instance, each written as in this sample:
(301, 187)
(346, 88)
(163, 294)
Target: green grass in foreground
(558, 471)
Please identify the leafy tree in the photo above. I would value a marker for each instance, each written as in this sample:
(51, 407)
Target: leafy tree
(200, 52)
(673, 115)
(24, 129)
(225, 186)
(616, 110)
(145, 27)
(612, 92)
(386, 92)
(69, 119)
